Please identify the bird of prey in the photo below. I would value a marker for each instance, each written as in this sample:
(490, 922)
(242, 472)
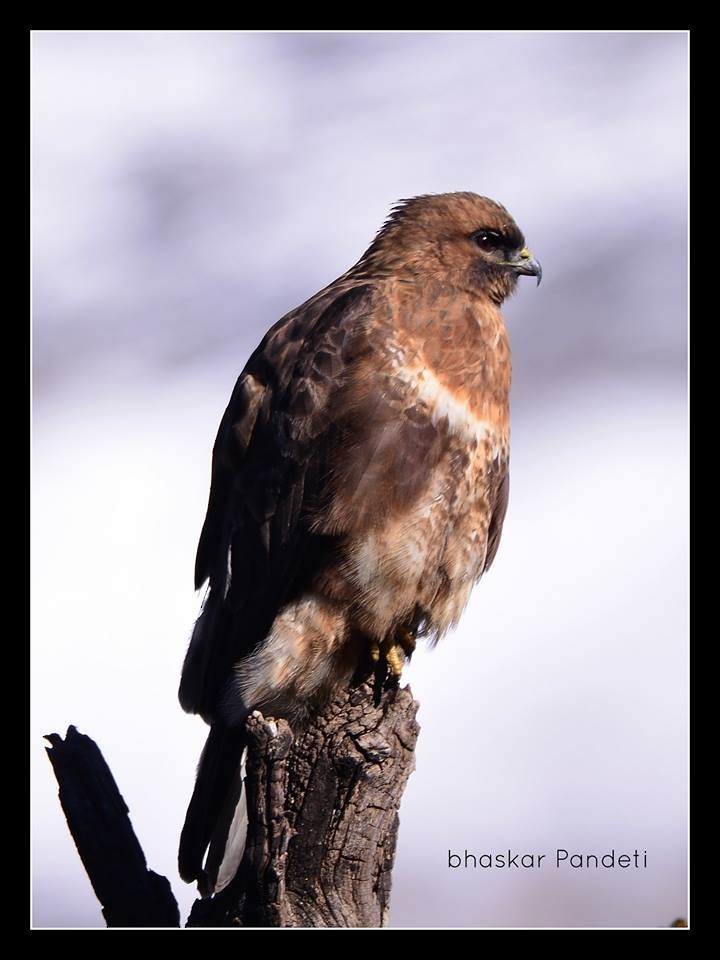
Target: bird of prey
(359, 486)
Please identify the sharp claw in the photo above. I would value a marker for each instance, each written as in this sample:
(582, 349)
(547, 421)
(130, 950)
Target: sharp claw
(406, 639)
(394, 652)
(395, 659)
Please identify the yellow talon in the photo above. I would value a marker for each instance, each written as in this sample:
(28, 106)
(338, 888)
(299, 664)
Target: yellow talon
(394, 651)
(395, 659)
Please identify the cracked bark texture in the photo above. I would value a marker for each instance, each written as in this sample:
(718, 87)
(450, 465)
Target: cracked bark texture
(322, 816)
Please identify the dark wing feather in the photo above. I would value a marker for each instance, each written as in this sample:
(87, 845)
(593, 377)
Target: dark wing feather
(499, 509)
(269, 476)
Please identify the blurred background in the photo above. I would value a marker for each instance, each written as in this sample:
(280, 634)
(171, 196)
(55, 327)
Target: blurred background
(188, 190)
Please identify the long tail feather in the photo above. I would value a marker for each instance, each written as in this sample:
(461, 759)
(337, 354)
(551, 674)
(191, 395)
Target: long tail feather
(211, 812)
(228, 841)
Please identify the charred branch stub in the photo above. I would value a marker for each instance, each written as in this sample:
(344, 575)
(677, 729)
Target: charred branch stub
(322, 816)
(322, 821)
(130, 894)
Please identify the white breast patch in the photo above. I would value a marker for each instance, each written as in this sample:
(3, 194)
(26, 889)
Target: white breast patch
(443, 404)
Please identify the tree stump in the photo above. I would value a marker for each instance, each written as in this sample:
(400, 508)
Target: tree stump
(322, 821)
(322, 816)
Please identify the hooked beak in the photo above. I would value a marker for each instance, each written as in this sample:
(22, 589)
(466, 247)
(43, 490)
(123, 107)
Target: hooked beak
(526, 265)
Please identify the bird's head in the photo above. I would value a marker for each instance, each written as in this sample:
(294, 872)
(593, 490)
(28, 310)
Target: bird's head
(462, 239)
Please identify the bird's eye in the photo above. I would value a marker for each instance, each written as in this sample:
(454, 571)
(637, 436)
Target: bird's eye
(487, 239)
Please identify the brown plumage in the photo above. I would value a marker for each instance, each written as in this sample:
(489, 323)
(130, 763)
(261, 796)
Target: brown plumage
(359, 482)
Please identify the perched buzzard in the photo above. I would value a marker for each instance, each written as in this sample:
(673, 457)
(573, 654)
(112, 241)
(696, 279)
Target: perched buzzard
(359, 486)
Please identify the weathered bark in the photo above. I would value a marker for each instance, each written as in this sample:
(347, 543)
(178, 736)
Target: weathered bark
(130, 894)
(322, 816)
(322, 821)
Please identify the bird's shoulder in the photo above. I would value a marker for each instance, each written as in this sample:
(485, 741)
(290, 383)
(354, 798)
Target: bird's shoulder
(311, 343)
(282, 403)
